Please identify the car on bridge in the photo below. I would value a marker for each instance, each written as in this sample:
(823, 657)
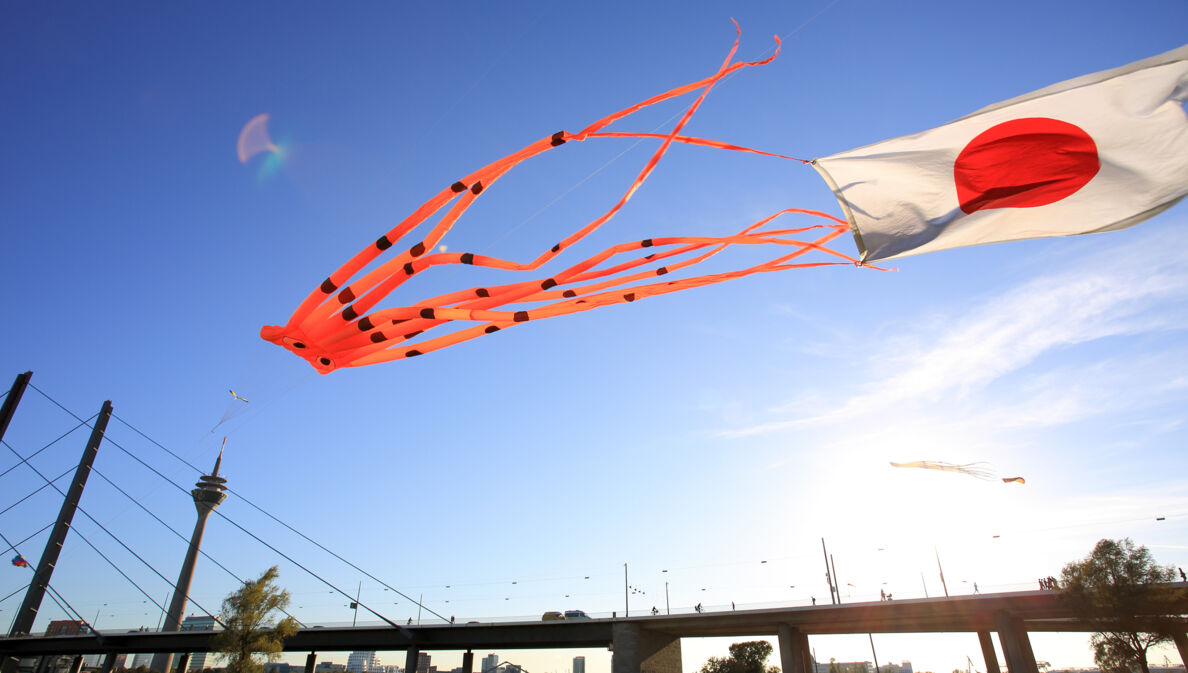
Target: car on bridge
(576, 614)
(552, 616)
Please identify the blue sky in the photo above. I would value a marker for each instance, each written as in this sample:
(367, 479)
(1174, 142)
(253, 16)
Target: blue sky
(699, 433)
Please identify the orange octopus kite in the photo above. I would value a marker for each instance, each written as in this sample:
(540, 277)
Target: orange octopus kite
(336, 326)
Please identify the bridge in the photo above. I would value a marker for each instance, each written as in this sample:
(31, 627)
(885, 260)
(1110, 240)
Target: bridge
(651, 644)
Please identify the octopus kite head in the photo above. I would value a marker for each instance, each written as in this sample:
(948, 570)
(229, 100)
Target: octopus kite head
(296, 342)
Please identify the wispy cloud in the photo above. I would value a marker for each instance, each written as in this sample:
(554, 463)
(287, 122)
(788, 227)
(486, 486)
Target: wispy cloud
(1137, 289)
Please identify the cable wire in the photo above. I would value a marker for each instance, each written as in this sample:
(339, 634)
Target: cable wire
(274, 518)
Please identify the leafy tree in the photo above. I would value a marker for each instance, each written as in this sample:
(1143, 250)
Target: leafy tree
(748, 657)
(1109, 588)
(249, 631)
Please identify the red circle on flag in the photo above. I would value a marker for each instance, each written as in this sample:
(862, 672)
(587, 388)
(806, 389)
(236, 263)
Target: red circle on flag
(1024, 163)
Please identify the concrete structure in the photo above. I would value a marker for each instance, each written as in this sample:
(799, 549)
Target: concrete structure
(652, 643)
(579, 665)
(208, 494)
(363, 661)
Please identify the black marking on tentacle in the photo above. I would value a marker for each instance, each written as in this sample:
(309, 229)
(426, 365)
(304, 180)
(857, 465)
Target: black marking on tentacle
(556, 248)
(427, 313)
(476, 188)
(649, 256)
(414, 334)
(412, 353)
(408, 269)
(661, 271)
(383, 243)
(349, 313)
(482, 292)
(568, 294)
(547, 284)
(520, 316)
(328, 286)
(630, 296)
(491, 329)
(377, 337)
(458, 187)
(558, 139)
(417, 250)
(346, 296)
(365, 324)
(298, 344)
(467, 258)
(646, 243)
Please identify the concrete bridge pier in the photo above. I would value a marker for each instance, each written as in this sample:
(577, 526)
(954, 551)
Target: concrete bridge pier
(638, 650)
(183, 662)
(1016, 646)
(109, 661)
(1182, 646)
(468, 662)
(988, 654)
(794, 650)
(412, 657)
(311, 660)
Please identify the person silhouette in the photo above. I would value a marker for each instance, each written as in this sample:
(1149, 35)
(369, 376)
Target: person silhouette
(814, 599)
(1182, 577)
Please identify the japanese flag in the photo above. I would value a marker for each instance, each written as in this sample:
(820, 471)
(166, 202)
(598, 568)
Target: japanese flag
(1096, 153)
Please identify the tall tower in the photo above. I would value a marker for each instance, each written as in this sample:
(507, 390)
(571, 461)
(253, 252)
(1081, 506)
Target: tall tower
(208, 494)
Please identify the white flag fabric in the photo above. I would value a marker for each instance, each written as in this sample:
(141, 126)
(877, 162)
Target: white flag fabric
(1097, 153)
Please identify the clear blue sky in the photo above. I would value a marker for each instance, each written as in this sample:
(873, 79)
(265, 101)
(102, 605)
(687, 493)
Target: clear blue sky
(699, 433)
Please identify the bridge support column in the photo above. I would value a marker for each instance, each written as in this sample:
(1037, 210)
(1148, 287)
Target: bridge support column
(988, 654)
(412, 657)
(638, 650)
(1016, 647)
(311, 660)
(183, 662)
(1182, 646)
(109, 662)
(794, 650)
(76, 664)
(468, 662)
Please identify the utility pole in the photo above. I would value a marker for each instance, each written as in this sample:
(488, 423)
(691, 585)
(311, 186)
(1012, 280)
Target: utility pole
(942, 571)
(355, 604)
(626, 601)
(12, 400)
(828, 575)
(667, 607)
(836, 585)
(27, 613)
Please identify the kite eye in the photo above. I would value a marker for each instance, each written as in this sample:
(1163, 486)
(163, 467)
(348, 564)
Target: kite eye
(293, 343)
(325, 362)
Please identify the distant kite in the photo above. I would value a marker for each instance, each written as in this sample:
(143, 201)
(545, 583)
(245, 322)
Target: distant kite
(972, 469)
(241, 399)
(1056, 162)
(19, 561)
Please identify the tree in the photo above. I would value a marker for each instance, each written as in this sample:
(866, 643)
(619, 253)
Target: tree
(247, 624)
(748, 657)
(1109, 587)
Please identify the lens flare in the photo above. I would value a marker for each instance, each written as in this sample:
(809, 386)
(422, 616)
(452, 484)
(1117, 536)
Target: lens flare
(254, 139)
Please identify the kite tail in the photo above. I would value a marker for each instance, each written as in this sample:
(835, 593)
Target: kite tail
(333, 326)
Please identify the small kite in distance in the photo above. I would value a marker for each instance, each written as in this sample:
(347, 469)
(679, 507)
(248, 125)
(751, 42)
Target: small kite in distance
(972, 469)
(19, 561)
(233, 394)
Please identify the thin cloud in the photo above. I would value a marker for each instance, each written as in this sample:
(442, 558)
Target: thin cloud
(1124, 292)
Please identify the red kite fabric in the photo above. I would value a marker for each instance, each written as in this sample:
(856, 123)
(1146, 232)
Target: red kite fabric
(1097, 153)
(337, 324)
